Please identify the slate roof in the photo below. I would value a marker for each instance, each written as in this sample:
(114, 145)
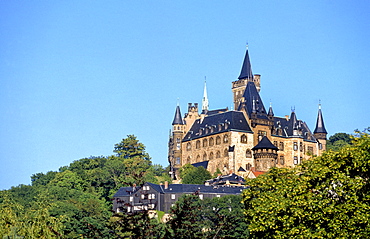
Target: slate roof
(265, 143)
(217, 111)
(177, 119)
(246, 71)
(253, 102)
(287, 127)
(203, 164)
(126, 191)
(192, 188)
(217, 123)
(231, 178)
(320, 127)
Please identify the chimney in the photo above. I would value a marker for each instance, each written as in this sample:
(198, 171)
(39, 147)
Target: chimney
(166, 185)
(287, 117)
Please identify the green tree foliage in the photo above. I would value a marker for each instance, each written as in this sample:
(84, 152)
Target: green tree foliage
(221, 214)
(138, 225)
(326, 197)
(76, 201)
(194, 175)
(186, 219)
(208, 218)
(34, 222)
(338, 141)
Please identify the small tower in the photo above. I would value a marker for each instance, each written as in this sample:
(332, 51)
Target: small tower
(174, 144)
(205, 99)
(265, 155)
(270, 114)
(320, 131)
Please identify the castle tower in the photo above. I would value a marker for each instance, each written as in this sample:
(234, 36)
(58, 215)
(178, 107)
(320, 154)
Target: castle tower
(265, 155)
(320, 131)
(245, 76)
(174, 144)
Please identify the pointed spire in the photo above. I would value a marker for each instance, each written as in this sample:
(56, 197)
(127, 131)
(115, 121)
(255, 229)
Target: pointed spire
(178, 118)
(246, 72)
(205, 97)
(293, 120)
(270, 113)
(320, 127)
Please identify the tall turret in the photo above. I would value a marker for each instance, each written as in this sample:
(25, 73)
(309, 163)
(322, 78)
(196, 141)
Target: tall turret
(320, 131)
(245, 76)
(174, 144)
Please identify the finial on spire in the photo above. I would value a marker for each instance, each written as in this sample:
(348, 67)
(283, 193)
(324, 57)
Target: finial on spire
(247, 45)
(293, 108)
(178, 101)
(319, 104)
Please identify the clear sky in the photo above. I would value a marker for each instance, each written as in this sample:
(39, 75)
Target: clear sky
(78, 76)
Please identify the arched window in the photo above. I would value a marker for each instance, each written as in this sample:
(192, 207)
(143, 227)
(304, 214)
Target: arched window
(226, 138)
(197, 144)
(248, 153)
(188, 146)
(282, 160)
(226, 153)
(218, 140)
(211, 141)
(281, 146)
(243, 139)
(205, 142)
(248, 166)
(210, 155)
(219, 127)
(188, 159)
(218, 154)
(204, 157)
(198, 158)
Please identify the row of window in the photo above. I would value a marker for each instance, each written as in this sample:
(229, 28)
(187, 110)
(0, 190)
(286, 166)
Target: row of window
(148, 196)
(211, 142)
(248, 154)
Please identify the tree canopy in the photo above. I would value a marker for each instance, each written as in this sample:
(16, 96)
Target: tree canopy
(194, 175)
(75, 202)
(326, 197)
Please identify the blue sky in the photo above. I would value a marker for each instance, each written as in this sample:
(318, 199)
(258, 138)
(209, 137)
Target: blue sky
(78, 76)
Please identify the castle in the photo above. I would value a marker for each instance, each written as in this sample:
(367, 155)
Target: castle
(246, 140)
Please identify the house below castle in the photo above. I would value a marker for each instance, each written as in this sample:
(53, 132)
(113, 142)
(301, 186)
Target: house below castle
(162, 197)
(246, 139)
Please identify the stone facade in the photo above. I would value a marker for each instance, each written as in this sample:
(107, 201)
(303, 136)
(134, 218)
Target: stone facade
(224, 138)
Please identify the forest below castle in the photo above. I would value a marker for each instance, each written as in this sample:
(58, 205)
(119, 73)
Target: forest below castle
(325, 197)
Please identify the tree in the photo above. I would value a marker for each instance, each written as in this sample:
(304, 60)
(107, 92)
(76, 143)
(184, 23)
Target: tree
(138, 225)
(186, 219)
(324, 197)
(208, 218)
(196, 175)
(193, 175)
(338, 140)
